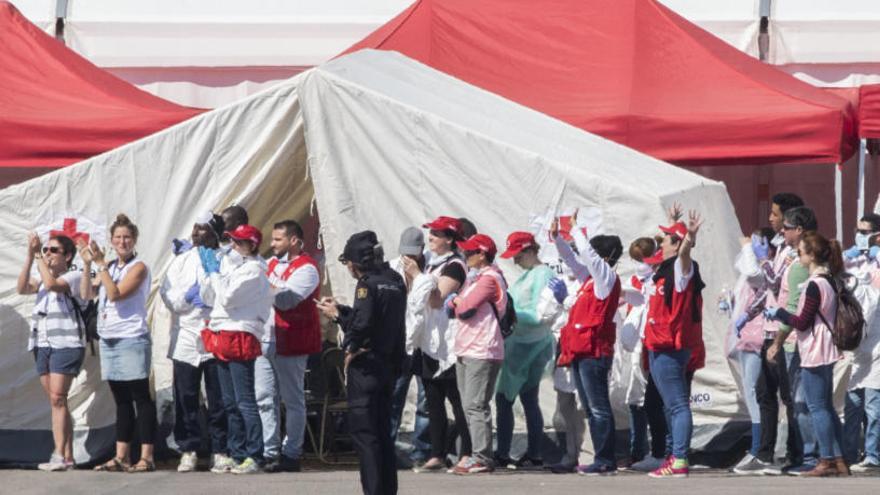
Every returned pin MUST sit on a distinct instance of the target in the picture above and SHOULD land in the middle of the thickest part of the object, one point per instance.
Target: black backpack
(849, 325)
(507, 323)
(87, 321)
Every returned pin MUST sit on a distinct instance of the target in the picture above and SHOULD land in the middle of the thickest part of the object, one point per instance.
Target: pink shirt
(816, 345)
(479, 333)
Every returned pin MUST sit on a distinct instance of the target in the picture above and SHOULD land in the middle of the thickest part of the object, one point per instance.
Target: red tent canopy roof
(56, 108)
(869, 111)
(632, 71)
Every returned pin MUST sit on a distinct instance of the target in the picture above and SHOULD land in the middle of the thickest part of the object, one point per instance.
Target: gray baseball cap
(412, 242)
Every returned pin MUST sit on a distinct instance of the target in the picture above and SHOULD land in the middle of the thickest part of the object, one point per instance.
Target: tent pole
(863, 145)
(838, 200)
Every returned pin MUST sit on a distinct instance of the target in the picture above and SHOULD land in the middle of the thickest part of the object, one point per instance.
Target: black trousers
(437, 392)
(656, 420)
(774, 381)
(131, 395)
(369, 386)
(187, 406)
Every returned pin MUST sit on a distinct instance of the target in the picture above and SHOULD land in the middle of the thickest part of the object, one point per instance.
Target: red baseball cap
(247, 233)
(518, 241)
(479, 242)
(678, 229)
(446, 223)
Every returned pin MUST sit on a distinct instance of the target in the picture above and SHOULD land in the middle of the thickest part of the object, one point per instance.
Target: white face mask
(234, 258)
(643, 270)
(862, 241)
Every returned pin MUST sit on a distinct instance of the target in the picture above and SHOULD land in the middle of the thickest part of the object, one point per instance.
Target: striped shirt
(54, 318)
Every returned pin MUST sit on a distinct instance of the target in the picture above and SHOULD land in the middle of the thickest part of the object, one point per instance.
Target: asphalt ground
(345, 479)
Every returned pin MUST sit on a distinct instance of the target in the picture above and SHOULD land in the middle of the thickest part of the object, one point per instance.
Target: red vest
(590, 331)
(673, 329)
(298, 330)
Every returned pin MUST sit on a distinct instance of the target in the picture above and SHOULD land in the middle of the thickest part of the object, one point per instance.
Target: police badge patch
(362, 293)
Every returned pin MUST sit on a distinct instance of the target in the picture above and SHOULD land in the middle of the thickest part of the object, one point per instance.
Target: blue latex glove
(558, 288)
(740, 323)
(874, 252)
(193, 297)
(180, 246)
(770, 313)
(760, 247)
(209, 260)
(852, 253)
(447, 304)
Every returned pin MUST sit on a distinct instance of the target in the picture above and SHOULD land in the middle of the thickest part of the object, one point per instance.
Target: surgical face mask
(234, 258)
(643, 270)
(862, 241)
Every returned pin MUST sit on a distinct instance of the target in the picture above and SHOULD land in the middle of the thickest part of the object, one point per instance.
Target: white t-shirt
(124, 318)
(54, 318)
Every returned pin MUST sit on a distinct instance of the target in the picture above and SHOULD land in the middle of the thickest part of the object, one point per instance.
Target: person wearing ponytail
(586, 341)
(122, 286)
(817, 309)
(674, 336)
(55, 339)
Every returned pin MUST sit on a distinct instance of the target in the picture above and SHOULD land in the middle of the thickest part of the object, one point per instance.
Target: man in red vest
(297, 329)
(674, 336)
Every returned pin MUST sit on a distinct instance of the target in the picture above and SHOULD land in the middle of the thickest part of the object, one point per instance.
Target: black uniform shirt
(377, 319)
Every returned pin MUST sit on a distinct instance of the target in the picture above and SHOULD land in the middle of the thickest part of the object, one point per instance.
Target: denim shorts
(126, 359)
(66, 361)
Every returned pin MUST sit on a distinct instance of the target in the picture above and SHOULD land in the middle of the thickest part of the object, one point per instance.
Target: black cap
(360, 248)
(218, 226)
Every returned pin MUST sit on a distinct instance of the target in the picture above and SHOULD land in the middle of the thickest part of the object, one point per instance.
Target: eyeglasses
(52, 249)
(788, 227)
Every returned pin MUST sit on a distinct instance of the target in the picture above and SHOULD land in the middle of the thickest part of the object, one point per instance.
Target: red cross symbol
(565, 227)
(69, 230)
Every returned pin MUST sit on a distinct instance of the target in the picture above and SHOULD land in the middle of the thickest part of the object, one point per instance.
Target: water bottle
(725, 301)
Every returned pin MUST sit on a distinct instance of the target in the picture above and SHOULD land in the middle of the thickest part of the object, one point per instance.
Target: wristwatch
(38, 256)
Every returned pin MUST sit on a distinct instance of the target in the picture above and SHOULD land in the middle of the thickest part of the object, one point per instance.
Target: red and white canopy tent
(56, 108)
(632, 71)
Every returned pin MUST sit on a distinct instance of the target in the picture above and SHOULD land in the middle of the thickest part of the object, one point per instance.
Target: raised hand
(97, 253)
(694, 222)
(34, 244)
(554, 228)
(674, 212)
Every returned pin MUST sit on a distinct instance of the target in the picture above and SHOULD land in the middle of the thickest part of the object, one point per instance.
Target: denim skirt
(126, 359)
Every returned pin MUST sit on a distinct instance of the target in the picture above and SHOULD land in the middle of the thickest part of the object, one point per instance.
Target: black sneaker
(526, 463)
(504, 462)
(272, 465)
(289, 465)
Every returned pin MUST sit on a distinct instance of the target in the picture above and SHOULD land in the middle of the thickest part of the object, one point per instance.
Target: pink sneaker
(668, 471)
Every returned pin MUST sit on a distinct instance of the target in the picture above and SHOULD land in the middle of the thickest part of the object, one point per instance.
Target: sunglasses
(52, 249)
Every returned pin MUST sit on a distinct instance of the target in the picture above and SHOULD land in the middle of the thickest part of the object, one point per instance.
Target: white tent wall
(832, 43)
(392, 143)
(737, 22)
(242, 153)
(40, 12)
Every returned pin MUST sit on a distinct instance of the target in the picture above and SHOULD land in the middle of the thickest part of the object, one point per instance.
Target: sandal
(114, 465)
(142, 466)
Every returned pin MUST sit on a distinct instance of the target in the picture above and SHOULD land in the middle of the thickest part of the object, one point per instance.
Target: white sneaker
(188, 461)
(865, 466)
(56, 463)
(247, 466)
(750, 465)
(222, 463)
(647, 464)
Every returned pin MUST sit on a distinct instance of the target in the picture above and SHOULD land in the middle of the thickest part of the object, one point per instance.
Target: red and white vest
(673, 329)
(590, 331)
(298, 330)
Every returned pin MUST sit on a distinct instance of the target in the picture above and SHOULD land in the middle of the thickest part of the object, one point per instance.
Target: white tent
(380, 142)
(827, 42)
(735, 21)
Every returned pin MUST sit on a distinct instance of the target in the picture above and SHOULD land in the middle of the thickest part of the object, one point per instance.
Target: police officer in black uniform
(375, 330)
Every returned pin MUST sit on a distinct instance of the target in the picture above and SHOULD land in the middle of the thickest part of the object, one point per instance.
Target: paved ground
(713, 482)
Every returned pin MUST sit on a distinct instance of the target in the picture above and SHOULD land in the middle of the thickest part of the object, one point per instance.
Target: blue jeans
(638, 432)
(668, 368)
(808, 446)
(862, 409)
(534, 423)
(818, 385)
(421, 446)
(591, 380)
(268, 400)
(244, 430)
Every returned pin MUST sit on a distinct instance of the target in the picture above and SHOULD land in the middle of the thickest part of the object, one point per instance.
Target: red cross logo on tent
(68, 229)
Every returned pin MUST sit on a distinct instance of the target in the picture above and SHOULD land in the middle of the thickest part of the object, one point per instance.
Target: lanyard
(116, 272)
